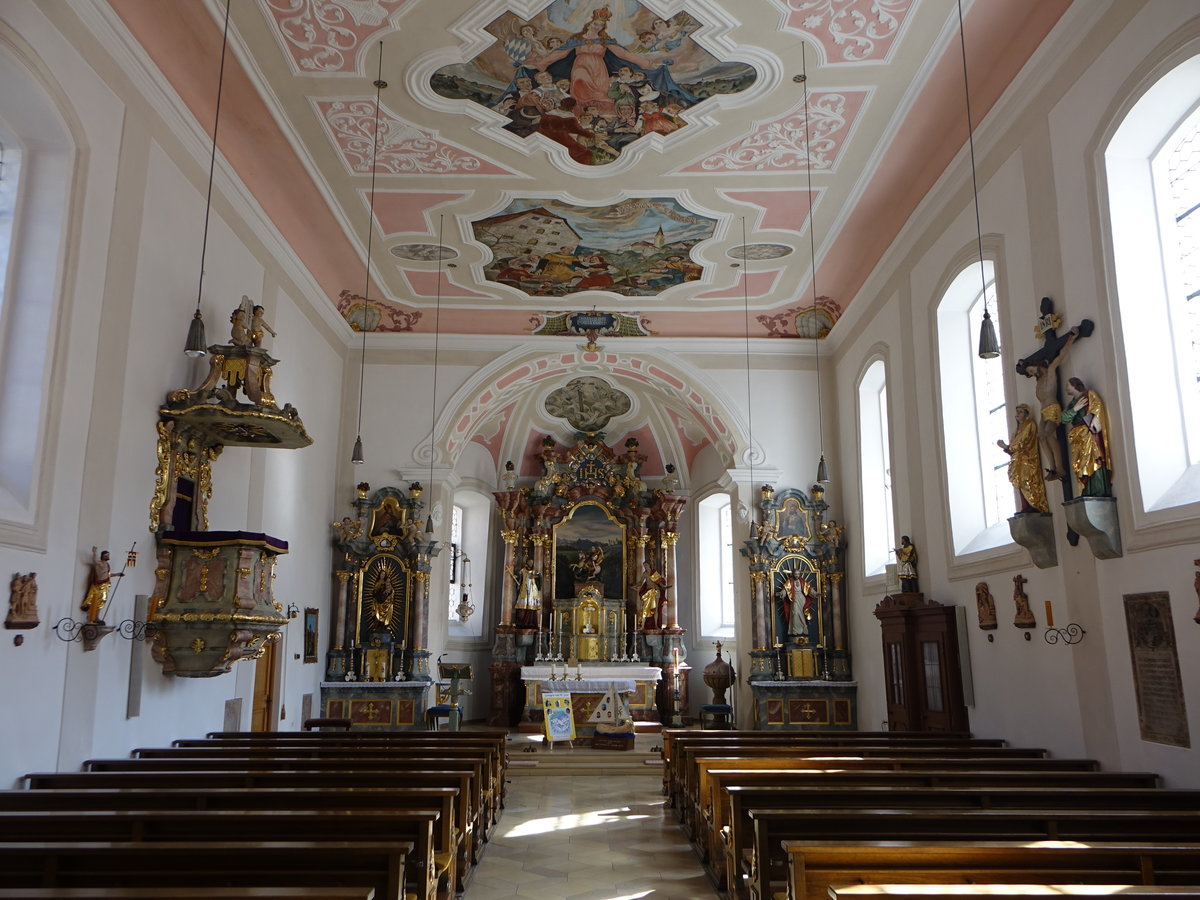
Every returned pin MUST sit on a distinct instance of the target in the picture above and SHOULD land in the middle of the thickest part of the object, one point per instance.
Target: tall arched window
(34, 200)
(875, 465)
(716, 572)
(470, 532)
(973, 415)
(1152, 176)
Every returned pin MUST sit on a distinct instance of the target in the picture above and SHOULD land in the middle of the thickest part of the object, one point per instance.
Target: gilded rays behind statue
(593, 78)
(638, 247)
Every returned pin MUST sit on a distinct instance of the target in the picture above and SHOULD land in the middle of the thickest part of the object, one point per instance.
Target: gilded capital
(539, 540)
(670, 538)
(343, 575)
(510, 536)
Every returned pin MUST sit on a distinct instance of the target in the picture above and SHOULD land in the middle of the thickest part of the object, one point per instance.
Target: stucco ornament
(587, 403)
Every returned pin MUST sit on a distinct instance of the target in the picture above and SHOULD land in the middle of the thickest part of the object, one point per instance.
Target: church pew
(739, 841)
(451, 848)
(495, 758)
(730, 743)
(375, 865)
(1008, 891)
(464, 778)
(413, 830)
(688, 789)
(722, 829)
(766, 867)
(816, 867)
(482, 775)
(191, 892)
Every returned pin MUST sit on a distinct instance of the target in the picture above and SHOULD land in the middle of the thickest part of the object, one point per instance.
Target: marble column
(507, 598)
(669, 540)
(340, 605)
(541, 565)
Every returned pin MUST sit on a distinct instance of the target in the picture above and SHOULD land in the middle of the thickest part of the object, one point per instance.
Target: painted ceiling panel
(884, 118)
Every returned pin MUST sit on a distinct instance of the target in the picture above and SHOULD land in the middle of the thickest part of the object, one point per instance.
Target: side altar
(589, 561)
(377, 667)
(800, 673)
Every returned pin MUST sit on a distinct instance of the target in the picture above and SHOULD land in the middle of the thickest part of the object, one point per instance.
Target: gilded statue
(98, 586)
(1086, 421)
(651, 596)
(1025, 463)
(527, 611)
(906, 565)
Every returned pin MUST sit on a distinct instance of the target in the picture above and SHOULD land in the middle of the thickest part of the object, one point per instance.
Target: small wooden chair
(716, 715)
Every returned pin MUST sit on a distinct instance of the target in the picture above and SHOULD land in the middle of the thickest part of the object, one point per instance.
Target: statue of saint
(651, 596)
(906, 565)
(1087, 440)
(1025, 465)
(101, 580)
(527, 611)
(797, 598)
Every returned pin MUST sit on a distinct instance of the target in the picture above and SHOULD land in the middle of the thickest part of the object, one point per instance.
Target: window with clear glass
(1152, 176)
(456, 560)
(973, 414)
(875, 464)
(716, 575)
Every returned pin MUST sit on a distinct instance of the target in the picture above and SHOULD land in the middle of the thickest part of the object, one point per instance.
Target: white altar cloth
(605, 673)
(587, 686)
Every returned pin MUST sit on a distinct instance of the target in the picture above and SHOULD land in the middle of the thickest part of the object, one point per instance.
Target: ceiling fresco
(593, 78)
(639, 247)
(693, 177)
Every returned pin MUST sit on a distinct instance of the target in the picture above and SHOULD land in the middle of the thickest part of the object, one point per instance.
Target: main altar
(588, 601)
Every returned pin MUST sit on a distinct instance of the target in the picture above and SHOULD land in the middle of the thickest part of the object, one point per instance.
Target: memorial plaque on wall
(1161, 713)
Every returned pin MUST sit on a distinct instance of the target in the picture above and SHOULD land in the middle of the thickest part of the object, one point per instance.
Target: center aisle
(588, 837)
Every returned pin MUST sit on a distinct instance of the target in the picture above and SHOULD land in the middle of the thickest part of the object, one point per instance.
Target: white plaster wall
(1037, 196)
(129, 285)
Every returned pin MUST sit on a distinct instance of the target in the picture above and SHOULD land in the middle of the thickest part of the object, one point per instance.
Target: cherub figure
(258, 325)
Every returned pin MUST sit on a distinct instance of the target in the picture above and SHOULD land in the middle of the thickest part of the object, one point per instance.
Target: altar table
(638, 682)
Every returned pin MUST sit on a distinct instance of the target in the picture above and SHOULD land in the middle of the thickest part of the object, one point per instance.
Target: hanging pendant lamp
(196, 344)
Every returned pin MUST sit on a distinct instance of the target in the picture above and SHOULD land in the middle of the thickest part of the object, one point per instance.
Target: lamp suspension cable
(989, 346)
(749, 405)
(196, 344)
(437, 333)
(357, 456)
(822, 468)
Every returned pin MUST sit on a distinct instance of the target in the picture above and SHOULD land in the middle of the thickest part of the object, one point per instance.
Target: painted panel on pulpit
(589, 546)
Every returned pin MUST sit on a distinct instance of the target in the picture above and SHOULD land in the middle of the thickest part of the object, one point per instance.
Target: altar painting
(594, 78)
(587, 531)
(638, 247)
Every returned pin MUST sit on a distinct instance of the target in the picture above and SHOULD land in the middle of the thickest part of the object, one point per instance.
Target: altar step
(580, 760)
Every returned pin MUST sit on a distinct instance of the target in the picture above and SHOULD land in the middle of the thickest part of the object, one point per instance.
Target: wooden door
(262, 713)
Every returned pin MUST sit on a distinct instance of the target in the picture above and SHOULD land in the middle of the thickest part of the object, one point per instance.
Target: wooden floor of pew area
(314, 815)
(857, 815)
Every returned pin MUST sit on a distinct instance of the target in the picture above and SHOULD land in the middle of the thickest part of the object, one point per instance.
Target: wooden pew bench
(816, 866)
(766, 867)
(1008, 891)
(188, 893)
(409, 829)
(713, 781)
(375, 865)
(928, 807)
(449, 845)
(728, 743)
(689, 803)
(493, 775)
(486, 791)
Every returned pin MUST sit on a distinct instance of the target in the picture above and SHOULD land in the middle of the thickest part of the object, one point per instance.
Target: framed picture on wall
(310, 635)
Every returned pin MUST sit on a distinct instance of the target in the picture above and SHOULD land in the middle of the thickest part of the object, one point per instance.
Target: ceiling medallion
(588, 403)
(759, 251)
(593, 79)
(423, 252)
(638, 247)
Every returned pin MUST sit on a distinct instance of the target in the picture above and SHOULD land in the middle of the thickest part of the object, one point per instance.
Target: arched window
(715, 555)
(469, 533)
(34, 199)
(875, 465)
(1152, 176)
(973, 415)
